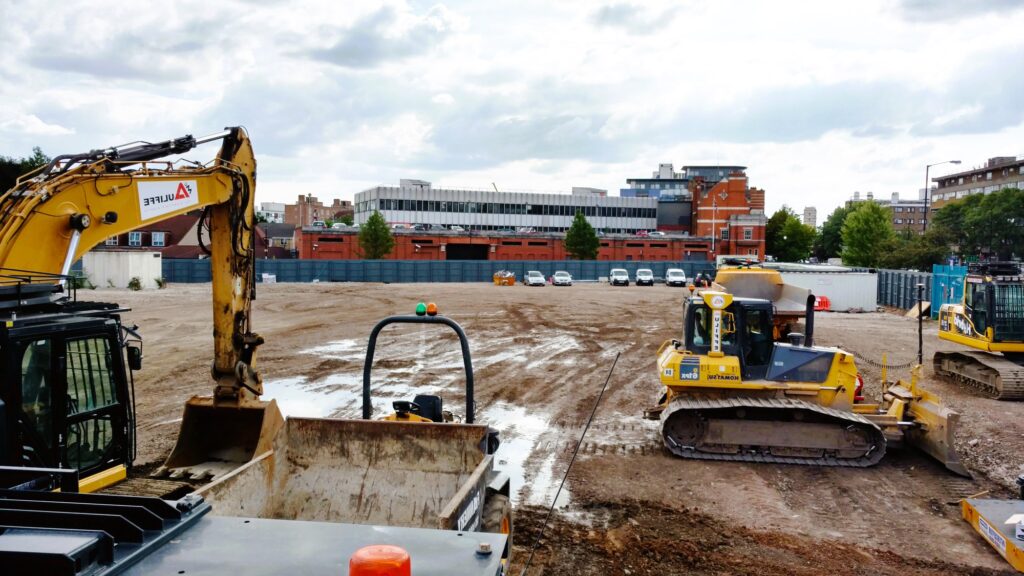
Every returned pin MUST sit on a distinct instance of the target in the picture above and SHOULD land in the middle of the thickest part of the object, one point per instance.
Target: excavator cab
(65, 401)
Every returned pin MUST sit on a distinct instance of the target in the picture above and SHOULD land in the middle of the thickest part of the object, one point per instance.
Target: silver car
(534, 278)
(561, 278)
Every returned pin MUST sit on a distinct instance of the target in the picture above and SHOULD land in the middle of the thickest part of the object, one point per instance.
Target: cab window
(37, 400)
(90, 385)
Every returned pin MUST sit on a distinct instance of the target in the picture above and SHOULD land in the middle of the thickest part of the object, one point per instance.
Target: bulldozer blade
(935, 433)
(214, 440)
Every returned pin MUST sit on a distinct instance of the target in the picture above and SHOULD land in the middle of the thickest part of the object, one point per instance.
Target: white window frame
(153, 239)
(135, 238)
(748, 233)
(112, 241)
(725, 233)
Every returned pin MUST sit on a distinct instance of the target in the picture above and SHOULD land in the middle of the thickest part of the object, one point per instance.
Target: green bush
(161, 283)
(135, 283)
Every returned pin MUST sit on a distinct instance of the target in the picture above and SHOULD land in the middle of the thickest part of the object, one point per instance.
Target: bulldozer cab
(65, 400)
(747, 333)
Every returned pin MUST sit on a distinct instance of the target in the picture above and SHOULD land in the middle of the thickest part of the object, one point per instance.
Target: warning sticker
(158, 198)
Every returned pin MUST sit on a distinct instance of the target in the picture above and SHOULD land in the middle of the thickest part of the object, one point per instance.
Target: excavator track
(997, 376)
(783, 431)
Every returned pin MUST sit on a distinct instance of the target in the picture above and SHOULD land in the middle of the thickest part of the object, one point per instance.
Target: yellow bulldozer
(731, 393)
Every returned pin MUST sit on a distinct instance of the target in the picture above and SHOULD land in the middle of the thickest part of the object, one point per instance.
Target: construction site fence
(898, 288)
(406, 271)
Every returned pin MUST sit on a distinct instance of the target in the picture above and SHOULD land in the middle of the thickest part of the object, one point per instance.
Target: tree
(786, 237)
(867, 235)
(581, 241)
(11, 168)
(375, 239)
(347, 220)
(829, 242)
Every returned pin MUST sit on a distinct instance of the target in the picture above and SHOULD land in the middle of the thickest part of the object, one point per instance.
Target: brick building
(328, 244)
(905, 214)
(997, 173)
(176, 237)
(308, 209)
(731, 214)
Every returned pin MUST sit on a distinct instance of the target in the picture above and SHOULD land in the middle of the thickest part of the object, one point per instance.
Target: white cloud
(30, 124)
(817, 99)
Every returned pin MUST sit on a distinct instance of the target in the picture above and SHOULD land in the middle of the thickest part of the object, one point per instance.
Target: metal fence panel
(186, 271)
(947, 286)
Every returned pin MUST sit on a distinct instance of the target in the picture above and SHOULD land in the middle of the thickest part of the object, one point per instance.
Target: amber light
(431, 309)
(380, 560)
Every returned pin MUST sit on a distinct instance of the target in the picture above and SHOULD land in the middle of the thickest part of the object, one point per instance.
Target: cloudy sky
(816, 99)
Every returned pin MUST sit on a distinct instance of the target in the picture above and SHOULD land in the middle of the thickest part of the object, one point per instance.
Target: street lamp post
(928, 188)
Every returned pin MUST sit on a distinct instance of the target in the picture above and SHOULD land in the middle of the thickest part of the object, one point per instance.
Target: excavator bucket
(936, 430)
(214, 440)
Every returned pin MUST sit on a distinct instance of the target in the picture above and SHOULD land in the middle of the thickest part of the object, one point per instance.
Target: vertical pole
(920, 324)
(927, 190)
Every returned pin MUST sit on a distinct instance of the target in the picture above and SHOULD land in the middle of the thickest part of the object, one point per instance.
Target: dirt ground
(541, 356)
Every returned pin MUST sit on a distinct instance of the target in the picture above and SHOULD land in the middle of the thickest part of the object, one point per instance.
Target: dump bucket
(215, 439)
(412, 474)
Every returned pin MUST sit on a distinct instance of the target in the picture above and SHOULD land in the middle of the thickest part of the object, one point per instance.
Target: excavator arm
(58, 213)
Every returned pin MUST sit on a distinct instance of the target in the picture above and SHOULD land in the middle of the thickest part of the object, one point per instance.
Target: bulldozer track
(1005, 378)
(748, 454)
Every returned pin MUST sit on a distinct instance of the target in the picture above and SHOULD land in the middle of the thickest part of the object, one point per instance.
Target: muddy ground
(541, 357)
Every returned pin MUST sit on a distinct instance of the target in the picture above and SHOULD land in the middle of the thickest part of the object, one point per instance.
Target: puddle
(339, 350)
(330, 396)
(520, 431)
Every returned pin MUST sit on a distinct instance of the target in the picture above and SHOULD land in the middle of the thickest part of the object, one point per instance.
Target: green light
(421, 309)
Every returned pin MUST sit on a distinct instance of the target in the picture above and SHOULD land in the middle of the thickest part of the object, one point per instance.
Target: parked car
(656, 233)
(618, 277)
(421, 227)
(675, 277)
(506, 230)
(534, 278)
(319, 224)
(437, 228)
(526, 230)
(644, 277)
(642, 233)
(561, 278)
(456, 228)
(338, 226)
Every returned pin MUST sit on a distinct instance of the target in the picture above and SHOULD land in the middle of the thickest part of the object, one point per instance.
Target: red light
(380, 560)
(431, 309)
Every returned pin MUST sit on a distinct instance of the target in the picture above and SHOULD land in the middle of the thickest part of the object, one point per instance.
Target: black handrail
(467, 361)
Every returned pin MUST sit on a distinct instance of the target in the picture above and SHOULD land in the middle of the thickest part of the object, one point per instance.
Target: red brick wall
(330, 245)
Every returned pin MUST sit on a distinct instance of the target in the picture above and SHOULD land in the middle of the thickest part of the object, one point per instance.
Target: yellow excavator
(989, 319)
(731, 393)
(67, 404)
(57, 350)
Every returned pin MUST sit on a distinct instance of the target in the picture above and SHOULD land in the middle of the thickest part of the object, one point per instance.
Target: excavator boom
(53, 216)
